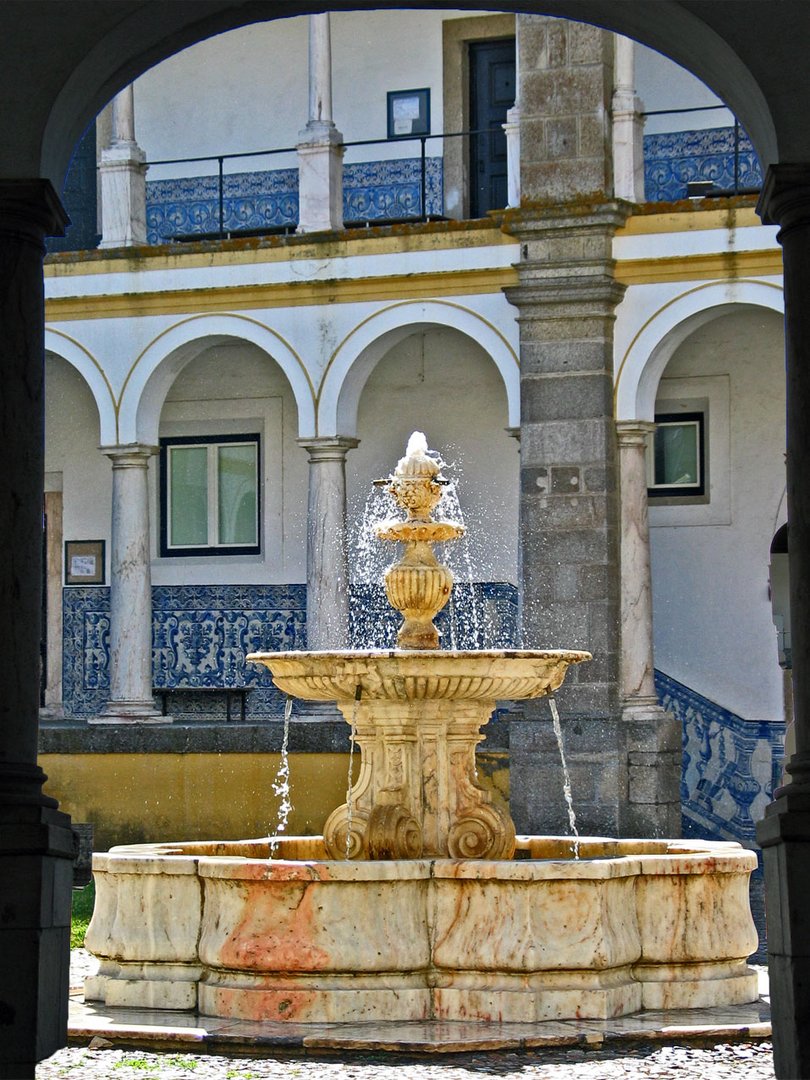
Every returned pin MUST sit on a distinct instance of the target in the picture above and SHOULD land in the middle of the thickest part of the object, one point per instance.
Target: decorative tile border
(202, 633)
(672, 159)
(200, 637)
(731, 766)
(372, 191)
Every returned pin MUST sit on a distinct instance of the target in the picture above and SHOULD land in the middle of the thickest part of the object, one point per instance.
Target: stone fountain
(419, 902)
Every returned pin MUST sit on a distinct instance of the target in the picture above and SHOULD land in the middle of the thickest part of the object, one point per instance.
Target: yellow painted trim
(438, 236)
(722, 266)
(296, 294)
(675, 221)
(194, 318)
(405, 303)
(655, 315)
(90, 357)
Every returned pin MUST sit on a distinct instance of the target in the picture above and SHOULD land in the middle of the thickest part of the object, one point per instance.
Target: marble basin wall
(216, 927)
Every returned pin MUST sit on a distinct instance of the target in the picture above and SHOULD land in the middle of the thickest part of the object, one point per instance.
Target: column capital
(129, 455)
(328, 447)
(533, 219)
(785, 196)
(634, 432)
(31, 209)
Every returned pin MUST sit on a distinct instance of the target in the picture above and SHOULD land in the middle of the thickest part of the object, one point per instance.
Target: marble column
(35, 838)
(327, 566)
(122, 171)
(512, 131)
(652, 735)
(628, 127)
(320, 147)
(785, 831)
(131, 700)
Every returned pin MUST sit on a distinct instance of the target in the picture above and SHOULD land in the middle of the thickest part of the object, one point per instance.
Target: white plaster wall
(232, 387)
(71, 450)
(248, 89)
(441, 382)
(662, 84)
(712, 615)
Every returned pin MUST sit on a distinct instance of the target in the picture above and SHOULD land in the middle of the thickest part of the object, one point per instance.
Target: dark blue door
(492, 93)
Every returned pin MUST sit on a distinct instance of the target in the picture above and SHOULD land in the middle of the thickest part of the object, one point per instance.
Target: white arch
(92, 372)
(360, 351)
(654, 344)
(155, 370)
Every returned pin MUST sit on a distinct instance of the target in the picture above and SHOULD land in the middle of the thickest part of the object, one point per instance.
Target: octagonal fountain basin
(630, 925)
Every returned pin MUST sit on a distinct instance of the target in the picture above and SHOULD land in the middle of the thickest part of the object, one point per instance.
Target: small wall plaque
(408, 113)
(84, 562)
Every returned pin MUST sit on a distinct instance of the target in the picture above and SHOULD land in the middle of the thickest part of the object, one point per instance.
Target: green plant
(83, 900)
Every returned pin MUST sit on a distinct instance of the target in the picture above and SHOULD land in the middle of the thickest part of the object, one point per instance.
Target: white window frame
(696, 489)
(212, 444)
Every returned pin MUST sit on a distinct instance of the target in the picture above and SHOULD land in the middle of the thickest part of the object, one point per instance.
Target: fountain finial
(418, 586)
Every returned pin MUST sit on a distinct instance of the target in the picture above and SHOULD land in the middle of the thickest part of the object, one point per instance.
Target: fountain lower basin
(632, 924)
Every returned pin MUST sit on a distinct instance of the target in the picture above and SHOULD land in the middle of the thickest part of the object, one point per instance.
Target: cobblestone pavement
(728, 1061)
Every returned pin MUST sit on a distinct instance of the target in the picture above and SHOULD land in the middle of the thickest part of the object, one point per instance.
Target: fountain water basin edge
(632, 924)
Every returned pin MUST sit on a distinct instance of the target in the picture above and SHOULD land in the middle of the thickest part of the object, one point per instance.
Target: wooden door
(492, 93)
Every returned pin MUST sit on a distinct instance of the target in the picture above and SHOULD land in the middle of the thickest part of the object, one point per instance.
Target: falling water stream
(349, 786)
(281, 784)
(569, 802)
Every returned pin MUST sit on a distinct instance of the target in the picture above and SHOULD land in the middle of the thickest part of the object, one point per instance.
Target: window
(209, 495)
(676, 457)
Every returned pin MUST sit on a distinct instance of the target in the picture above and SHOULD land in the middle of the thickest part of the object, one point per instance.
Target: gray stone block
(574, 397)
(561, 441)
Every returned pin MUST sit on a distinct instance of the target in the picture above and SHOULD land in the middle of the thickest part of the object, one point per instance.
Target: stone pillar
(327, 566)
(653, 737)
(122, 169)
(512, 130)
(628, 127)
(131, 700)
(569, 519)
(36, 844)
(785, 831)
(320, 150)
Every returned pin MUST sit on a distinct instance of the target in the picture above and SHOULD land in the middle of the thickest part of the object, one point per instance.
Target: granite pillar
(36, 844)
(327, 564)
(122, 172)
(569, 519)
(653, 737)
(320, 149)
(785, 831)
(131, 700)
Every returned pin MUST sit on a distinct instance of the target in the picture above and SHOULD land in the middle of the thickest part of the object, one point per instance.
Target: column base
(36, 875)
(653, 742)
(130, 712)
(784, 834)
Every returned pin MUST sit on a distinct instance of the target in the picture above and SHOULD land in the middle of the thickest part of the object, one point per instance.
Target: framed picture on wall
(408, 113)
(84, 562)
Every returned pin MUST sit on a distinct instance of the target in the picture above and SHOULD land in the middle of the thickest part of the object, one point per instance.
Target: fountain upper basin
(420, 674)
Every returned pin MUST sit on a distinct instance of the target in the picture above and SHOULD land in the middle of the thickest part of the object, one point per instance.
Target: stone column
(652, 735)
(512, 130)
(36, 844)
(122, 169)
(569, 518)
(320, 150)
(327, 566)
(628, 127)
(785, 831)
(131, 700)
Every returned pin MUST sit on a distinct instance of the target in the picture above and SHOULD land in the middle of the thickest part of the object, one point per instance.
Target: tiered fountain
(412, 905)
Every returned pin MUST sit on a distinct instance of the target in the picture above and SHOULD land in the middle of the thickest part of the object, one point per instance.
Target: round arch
(107, 49)
(362, 349)
(60, 344)
(161, 362)
(654, 344)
